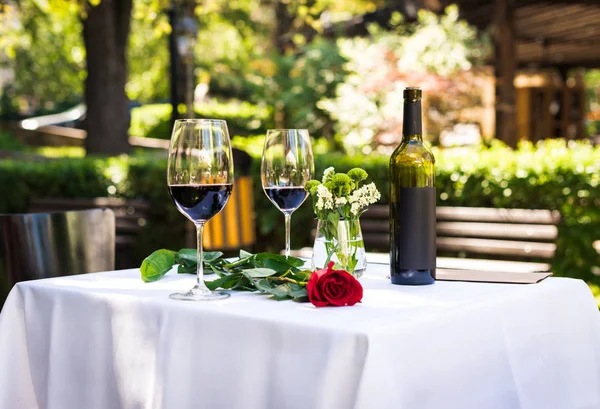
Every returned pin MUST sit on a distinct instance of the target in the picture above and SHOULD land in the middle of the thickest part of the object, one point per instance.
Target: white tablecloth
(107, 340)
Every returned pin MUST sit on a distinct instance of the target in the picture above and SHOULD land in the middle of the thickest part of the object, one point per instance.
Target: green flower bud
(358, 174)
(311, 185)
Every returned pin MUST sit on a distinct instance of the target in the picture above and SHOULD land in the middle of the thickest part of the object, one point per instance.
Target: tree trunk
(105, 34)
(504, 43)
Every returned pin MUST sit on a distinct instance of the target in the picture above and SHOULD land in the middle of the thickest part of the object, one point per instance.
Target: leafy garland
(279, 276)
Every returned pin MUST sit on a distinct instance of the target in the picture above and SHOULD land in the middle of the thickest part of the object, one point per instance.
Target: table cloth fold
(108, 340)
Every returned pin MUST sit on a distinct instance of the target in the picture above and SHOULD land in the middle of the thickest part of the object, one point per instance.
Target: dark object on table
(412, 201)
(43, 245)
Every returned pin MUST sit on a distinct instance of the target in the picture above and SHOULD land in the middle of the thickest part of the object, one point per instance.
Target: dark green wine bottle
(412, 201)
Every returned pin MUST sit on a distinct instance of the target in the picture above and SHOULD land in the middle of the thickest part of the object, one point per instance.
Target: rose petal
(337, 287)
(313, 292)
(357, 293)
(333, 287)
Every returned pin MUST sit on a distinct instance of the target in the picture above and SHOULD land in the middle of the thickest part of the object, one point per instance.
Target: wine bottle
(412, 201)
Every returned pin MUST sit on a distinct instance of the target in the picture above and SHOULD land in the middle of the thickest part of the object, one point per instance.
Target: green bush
(551, 175)
(69, 178)
(8, 142)
(243, 118)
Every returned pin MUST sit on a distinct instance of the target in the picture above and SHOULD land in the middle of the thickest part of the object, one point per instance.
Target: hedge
(551, 175)
(243, 118)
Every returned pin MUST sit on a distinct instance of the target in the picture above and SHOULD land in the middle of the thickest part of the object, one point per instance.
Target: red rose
(333, 287)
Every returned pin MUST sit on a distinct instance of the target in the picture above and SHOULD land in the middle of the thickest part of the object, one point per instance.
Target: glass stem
(199, 256)
(288, 217)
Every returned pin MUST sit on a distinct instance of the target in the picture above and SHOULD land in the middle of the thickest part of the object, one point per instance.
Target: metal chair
(42, 245)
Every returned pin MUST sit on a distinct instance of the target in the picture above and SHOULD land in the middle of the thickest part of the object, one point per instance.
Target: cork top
(412, 93)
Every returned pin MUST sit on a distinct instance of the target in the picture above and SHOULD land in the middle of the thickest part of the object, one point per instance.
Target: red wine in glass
(200, 202)
(200, 180)
(287, 164)
(286, 198)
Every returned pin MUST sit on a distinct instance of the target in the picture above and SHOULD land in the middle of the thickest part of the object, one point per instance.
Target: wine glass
(287, 164)
(200, 179)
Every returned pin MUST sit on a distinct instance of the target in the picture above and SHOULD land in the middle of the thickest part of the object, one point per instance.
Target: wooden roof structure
(560, 34)
(547, 33)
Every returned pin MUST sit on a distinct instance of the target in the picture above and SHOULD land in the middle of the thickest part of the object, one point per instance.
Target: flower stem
(289, 280)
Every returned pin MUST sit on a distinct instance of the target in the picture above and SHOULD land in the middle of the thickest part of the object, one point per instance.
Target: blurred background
(89, 91)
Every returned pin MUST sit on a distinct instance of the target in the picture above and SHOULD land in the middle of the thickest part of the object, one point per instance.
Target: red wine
(200, 202)
(286, 198)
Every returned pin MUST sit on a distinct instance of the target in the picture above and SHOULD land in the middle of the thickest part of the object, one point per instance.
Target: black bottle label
(412, 230)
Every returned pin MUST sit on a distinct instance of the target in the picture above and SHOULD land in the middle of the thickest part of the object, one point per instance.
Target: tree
(436, 53)
(45, 50)
(43, 42)
(105, 34)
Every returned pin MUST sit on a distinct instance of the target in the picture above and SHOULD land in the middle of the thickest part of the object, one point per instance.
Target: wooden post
(505, 67)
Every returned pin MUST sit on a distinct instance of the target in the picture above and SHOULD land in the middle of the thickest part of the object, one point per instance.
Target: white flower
(324, 198)
(363, 197)
(328, 173)
(340, 201)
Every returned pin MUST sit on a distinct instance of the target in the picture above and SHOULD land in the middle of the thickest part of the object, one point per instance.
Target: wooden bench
(131, 216)
(484, 238)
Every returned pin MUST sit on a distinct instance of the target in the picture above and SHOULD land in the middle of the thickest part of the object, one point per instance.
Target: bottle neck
(412, 127)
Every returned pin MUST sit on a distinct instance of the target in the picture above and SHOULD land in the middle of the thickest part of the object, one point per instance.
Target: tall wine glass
(287, 164)
(200, 179)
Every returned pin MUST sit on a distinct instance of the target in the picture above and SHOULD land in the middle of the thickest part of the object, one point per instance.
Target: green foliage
(243, 118)
(232, 35)
(549, 175)
(69, 178)
(8, 142)
(592, 84)
(42, 42)
(437, 52)
(278, 276)
(148, 52)
(294, 84)
(151, 121)
(157, 264)
(44, 46)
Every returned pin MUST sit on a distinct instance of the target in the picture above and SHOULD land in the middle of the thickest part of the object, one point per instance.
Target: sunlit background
(512, 102)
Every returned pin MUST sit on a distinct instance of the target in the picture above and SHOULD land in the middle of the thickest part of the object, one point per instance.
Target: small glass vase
(340, 241)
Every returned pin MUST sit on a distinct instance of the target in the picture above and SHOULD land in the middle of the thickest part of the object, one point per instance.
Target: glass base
(200, 294)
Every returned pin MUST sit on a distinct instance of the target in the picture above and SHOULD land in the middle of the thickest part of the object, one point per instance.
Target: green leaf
(278, 291)
(258, 272)
(189, 256)
(333, 217)
(302, 275)
(157, 264)
(264, 286)
(240, 262)
(244, 284)
(210, 256)
(292, 261)
(245, 254)
(281, 292)
(303, 298)
(184, 269)
(187, 260)
(276, 265)
(224, 282)
(297, 291)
